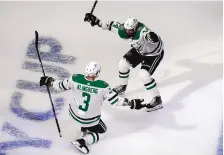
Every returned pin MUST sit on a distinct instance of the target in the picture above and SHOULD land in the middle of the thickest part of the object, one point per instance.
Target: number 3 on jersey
(86, 102)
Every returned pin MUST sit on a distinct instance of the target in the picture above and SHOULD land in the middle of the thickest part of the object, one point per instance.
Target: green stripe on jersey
(82, 121)
(115, 101)
(122, 33)
(79, 78)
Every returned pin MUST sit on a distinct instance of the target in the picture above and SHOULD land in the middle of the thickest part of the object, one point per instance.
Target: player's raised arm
(104, 24)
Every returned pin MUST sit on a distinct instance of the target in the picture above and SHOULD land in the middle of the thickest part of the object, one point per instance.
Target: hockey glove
(46, 80)
(93, 20)
(136, 104)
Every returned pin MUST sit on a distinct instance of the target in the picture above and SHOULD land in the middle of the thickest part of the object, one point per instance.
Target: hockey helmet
(130, 26)
(93, 69)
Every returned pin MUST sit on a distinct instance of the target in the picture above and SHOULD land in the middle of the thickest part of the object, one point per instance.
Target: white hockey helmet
(93, 69)
(130, 25)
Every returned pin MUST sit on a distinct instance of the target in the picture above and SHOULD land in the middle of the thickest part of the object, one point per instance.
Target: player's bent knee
(124, 66)
(144, 76)
(102, 135)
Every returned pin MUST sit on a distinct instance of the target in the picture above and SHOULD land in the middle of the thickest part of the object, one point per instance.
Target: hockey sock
(152, 87)
(91, 137)
(123, 76)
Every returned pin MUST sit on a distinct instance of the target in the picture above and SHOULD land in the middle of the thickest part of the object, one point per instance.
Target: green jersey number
(86, 102)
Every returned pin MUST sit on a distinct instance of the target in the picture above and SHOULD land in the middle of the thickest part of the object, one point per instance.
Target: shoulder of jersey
(121, 31)
(101, 84)
(81, 79)
(140, 30)
(76, 75)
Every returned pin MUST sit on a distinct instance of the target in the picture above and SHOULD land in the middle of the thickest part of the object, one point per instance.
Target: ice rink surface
(189, 77)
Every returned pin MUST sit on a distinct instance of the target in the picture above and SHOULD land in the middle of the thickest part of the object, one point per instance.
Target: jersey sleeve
(112, 26)
(110, 95)
(64, 84)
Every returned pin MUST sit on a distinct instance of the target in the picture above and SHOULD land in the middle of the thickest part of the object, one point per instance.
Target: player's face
(130, 32)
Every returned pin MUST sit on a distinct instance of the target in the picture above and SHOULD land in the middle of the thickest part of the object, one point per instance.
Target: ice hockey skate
(155, 104)
(120, 89)
(80, 144)
(84, 131)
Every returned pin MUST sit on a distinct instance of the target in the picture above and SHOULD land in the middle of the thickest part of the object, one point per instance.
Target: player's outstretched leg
(151, 86)
(131, 59)
(91, 135)
(149, 66)
(124, 71)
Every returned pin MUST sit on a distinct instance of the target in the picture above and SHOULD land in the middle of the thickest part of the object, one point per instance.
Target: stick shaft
(48, 90)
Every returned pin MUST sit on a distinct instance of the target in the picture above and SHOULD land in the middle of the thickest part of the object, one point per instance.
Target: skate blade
(121, 94)
(76, 144)
(155, 108)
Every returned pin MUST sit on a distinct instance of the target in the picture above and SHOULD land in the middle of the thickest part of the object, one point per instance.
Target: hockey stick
(94, 5)
(38, 53)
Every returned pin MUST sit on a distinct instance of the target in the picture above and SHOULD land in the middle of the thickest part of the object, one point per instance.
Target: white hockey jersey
(140, 41)
(88, 98)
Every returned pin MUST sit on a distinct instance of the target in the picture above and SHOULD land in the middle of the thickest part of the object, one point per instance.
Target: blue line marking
(220, 143)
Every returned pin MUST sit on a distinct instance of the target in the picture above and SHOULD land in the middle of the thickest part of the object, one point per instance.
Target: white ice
(189, 77)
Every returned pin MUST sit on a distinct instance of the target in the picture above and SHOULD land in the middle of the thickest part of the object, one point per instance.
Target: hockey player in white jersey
(147, 49)
(89, 94)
